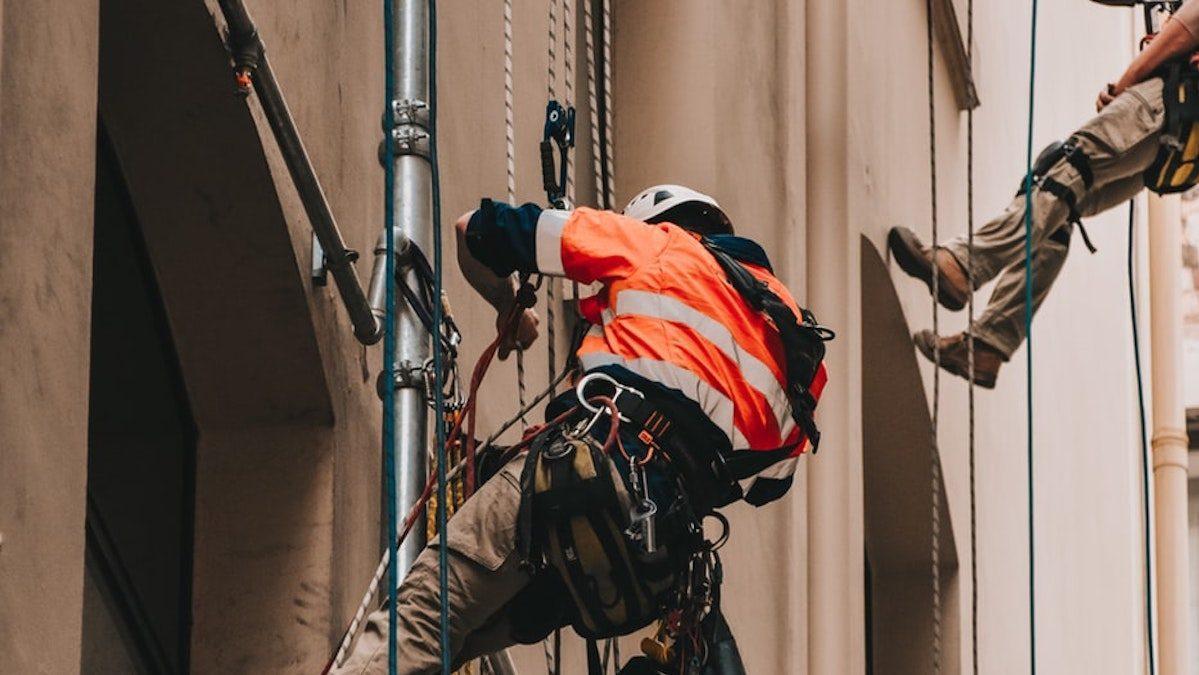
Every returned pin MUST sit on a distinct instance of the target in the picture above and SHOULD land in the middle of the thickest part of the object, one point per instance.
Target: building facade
(189, 432)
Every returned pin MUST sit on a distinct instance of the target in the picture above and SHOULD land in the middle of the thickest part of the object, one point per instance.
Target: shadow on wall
(896, 456)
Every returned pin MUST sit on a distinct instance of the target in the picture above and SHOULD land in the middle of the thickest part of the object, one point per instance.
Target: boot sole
(907, 256)
(952, 367)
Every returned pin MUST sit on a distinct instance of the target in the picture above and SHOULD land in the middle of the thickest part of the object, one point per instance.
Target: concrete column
(1169, 434)
(835, 511)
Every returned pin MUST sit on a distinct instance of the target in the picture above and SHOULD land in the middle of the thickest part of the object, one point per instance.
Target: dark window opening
(141, 455)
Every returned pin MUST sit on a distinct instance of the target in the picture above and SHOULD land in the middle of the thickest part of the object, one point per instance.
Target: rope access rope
(389, 347)
(1028, 278)
(935, 459)
(597, 160)
(510, 157)
(970, 345)
(606, 62)
(551, 295)
(438, 371)
(1145, 470)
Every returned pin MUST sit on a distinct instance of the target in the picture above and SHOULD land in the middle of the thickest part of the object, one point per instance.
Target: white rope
(606, 45)
(510, 156)
(569, 12)
(934, 451)
(597, 166)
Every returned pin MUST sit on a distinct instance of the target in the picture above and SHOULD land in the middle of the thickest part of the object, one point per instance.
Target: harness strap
(803, 343)
(1066, 195)
(1079, 160)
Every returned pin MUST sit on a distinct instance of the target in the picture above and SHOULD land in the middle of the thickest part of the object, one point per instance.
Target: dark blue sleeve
(503, 237)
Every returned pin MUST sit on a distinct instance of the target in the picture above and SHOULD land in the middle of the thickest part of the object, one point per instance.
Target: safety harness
(1053, 153)
(1176, 167)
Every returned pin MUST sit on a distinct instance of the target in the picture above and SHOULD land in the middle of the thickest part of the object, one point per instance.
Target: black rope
(970, 345)
(934, 453)
(1145, 470)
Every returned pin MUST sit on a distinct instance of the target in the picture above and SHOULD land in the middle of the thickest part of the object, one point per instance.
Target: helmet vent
(661, 195)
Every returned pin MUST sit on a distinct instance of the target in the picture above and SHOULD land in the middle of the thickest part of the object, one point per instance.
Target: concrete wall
(1089, 558)
(48, 53)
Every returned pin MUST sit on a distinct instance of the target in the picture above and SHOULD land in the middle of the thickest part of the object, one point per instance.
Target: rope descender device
(559, 131)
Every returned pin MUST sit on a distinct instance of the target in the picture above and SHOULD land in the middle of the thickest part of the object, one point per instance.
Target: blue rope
(1136, 356)
(389, 342)
(438, 357)
(1028, 311)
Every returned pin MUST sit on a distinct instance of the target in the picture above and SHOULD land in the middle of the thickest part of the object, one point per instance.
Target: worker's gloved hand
(522, 335)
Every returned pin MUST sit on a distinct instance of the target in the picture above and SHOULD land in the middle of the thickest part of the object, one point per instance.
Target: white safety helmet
(656, 200)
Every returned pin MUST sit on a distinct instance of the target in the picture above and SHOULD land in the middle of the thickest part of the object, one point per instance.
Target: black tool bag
(1176, 167)
(573, 518)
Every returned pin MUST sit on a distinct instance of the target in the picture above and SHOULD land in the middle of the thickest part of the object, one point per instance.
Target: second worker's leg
(1001, 328)
(1118, 143)
(1002, 324)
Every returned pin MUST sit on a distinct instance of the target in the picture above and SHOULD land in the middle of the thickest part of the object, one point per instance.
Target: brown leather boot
(916, 259)
(955, 359)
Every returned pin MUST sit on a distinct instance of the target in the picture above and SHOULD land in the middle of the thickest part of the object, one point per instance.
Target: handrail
(252, 66)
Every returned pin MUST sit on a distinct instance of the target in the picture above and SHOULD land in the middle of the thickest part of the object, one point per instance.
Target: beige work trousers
(1121, 142)
(484, 574)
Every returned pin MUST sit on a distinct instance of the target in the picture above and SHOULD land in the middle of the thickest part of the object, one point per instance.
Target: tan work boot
(955, 359)
(914, 258)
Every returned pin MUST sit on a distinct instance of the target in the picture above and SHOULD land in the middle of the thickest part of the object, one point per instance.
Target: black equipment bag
(1176, 167)
(573, 515)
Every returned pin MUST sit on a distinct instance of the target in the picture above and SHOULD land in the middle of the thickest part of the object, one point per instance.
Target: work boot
(955, 359)
(916, 260)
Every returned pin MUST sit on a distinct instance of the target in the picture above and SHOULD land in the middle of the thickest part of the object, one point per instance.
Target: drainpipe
(1169, 433)
(406, 120)
(253, 68)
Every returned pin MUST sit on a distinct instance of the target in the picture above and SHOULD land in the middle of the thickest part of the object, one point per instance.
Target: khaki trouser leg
(1001, 325)
(1121, 141)
(484, 574)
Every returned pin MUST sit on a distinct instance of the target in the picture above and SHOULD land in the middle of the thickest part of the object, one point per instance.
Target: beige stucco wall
(47, 164)
(807, 121)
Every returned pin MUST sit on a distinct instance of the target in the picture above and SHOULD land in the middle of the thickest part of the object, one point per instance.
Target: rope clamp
(559, 131)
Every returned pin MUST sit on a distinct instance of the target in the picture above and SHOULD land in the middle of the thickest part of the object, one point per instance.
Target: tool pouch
(573, 517)
(1176, 167)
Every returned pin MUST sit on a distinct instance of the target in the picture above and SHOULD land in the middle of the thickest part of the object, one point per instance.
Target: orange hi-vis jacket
(667, 312)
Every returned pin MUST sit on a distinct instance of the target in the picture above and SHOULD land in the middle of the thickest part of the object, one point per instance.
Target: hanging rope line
(510, 157)
(1028, 307)
(606, 102)
(438, 371)
(970, 345)
(1146, 493)
(597, 160)
(934, 453)
(551, 296)
(389, 345)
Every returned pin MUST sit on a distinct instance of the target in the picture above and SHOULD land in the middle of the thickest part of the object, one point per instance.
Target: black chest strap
(803, 341)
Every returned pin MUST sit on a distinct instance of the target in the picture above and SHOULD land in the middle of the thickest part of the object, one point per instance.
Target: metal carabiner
(595, 410)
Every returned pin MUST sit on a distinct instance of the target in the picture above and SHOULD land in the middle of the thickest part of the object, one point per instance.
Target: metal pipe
(250, 58)
(1169, 434)
(405, 121)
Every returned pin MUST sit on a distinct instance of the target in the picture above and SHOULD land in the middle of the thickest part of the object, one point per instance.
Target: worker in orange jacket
(715, 372)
